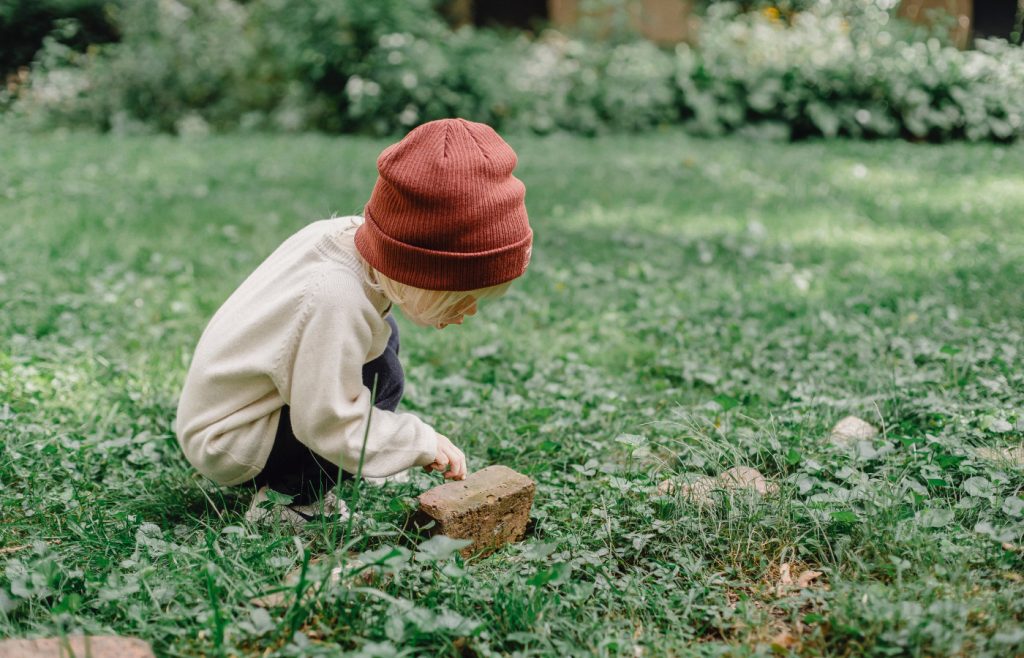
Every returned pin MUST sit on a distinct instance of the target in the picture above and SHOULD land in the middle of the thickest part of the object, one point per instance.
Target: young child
(278, 392)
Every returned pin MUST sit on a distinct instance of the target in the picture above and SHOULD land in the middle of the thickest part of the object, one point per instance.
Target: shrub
(559, 83)
(840, 68)
(323, 44)
(24, 24)
(636, 90)
(171, 66)
(554, 85)
(223, 64)
(825, 73)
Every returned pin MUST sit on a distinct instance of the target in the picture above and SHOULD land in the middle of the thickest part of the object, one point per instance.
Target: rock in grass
(700, 491)
(850, 430)
(1014, 456)
(490, 507)
(744, 477)
(100, 646)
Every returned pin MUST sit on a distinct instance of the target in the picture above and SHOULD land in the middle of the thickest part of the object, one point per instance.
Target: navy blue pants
(294, 469)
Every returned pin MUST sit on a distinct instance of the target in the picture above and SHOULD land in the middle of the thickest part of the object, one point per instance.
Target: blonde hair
(433, 307)
(425, 307)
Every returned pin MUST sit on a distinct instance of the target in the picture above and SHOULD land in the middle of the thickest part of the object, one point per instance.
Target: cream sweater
(296, 332)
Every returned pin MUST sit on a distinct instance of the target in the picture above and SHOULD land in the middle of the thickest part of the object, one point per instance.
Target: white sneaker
(400, 476)
(328, 508)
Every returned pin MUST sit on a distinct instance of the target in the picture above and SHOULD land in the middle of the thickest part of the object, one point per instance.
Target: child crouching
(278, 392)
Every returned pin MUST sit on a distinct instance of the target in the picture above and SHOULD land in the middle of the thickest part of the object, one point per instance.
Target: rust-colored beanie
(446, 212)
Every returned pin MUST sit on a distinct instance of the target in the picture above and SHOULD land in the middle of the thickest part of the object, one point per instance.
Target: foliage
(25, 23)
(169, 72)
(828, 73)
(325, 43)
(845, 68)
(691, 305)
(356, 66)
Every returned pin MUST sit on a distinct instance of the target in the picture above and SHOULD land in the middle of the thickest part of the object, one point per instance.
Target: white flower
(354, 87)
(394, 40)
(409, 116)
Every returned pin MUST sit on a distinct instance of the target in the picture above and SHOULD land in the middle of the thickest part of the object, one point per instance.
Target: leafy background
(776, 70)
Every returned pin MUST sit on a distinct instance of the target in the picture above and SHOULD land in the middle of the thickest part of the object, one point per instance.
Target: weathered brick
(100, 646)
(490, 507)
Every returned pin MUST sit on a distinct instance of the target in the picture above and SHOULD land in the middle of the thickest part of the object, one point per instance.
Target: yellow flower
(771, 13)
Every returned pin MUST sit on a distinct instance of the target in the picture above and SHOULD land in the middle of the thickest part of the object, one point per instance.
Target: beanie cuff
(431, 269)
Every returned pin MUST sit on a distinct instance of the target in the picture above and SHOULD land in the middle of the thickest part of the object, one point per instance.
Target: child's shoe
(329, 508)
(400, 477)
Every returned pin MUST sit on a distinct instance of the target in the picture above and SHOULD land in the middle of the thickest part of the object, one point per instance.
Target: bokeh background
(916, 69)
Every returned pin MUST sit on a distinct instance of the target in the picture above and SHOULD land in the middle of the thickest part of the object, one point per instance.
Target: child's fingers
(458, 467)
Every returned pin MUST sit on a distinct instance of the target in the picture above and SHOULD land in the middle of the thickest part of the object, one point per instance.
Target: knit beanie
(446, 212)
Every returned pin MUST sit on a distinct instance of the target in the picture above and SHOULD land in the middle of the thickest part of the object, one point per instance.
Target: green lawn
(692, 305)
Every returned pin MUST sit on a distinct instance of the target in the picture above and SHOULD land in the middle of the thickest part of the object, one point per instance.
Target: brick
(99, 646)
(491, 507)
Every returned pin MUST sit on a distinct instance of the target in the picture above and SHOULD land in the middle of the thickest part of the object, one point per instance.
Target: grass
(692, 305)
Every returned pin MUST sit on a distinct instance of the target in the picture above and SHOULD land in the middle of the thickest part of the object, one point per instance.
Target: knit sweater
(296, 332)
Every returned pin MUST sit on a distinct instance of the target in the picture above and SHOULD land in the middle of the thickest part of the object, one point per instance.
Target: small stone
(700, 490)
(99, 646)
(744, 477)
(490, 507)
(850, 430)
(1014, 456)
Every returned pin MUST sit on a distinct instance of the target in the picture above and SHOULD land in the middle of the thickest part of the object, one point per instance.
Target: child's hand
(449, 460)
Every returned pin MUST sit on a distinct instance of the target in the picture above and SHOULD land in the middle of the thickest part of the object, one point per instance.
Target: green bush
(179, 67)
(322, 44)
(24, 24)
(825, 73)
(635, 89)
(842, 68)
(553, 84)
(543, 85)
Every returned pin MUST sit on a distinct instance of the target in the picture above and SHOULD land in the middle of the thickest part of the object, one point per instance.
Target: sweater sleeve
(321, 373)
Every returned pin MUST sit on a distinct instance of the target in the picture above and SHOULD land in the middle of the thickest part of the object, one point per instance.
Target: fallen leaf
(804, 580)
(786, 583)
(783, 641)
(785, 574)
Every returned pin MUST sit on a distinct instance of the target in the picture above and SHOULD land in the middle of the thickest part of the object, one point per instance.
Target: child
(278, 392)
